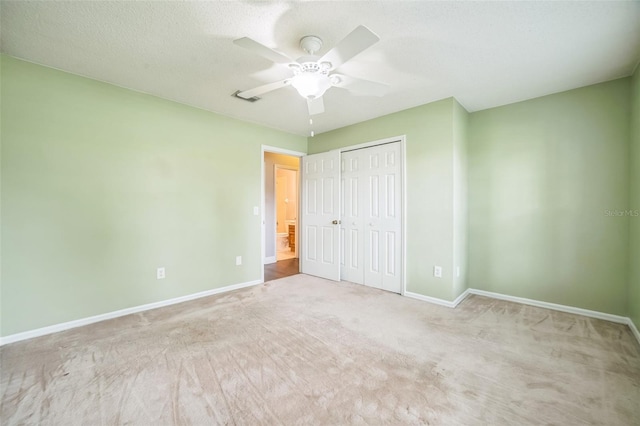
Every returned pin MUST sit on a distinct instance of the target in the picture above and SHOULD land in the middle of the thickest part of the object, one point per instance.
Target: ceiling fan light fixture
(311, 85)
(311, 76)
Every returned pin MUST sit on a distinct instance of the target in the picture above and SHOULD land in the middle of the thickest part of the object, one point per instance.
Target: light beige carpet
(302, 350)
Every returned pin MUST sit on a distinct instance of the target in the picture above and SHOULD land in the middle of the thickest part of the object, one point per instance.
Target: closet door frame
(403, 190)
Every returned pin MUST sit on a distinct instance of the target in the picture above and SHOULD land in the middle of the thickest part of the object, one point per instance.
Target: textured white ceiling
(483, 53)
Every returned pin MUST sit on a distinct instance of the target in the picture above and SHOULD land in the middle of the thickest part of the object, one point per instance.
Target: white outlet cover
(160, 273)
(437, 271)
(238, 260)
(256, 210)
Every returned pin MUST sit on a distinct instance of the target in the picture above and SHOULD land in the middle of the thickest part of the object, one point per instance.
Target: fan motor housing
(311, 44)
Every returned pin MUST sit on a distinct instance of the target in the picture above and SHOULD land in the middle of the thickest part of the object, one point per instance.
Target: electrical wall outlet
(458, 271)
(437, 271)
(256, 210)
(238, 260)
(160, 273)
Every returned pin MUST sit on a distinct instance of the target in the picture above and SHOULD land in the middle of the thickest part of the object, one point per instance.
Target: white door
(320, 254)
(352, 216)
(372, 216)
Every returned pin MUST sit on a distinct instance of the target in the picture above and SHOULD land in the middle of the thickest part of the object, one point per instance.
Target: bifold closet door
(352, 216)
(371, 231)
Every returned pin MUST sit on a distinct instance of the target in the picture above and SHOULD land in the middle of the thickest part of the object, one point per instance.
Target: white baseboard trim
(122, 312)
(634, 329)
(269, 260)
(437, 301)
(460, 298)
(547, 305)
(554, 306)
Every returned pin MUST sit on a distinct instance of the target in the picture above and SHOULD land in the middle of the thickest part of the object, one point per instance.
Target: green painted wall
(1, 195)
(460, 196)
(101, 185)
(542, 174)
(634, 253)
(430, 186)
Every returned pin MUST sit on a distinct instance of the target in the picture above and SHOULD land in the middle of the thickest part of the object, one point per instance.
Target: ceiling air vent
(252, 99)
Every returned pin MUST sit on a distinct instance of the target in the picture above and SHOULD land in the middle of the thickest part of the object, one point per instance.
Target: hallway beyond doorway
(281, 269)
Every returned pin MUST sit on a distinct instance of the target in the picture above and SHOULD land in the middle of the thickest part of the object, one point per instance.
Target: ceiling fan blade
(316, 106)
(357, 41)
(263, 50)
(359, 86)
(257, 91)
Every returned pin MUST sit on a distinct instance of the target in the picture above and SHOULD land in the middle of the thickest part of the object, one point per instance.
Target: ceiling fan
(313, 75)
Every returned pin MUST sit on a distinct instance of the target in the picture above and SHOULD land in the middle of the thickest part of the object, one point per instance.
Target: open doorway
(280, 220)
(286, 203)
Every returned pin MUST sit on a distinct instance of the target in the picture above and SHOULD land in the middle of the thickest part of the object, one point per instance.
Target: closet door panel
(383, 244)
(372, 217)
(351, 219)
